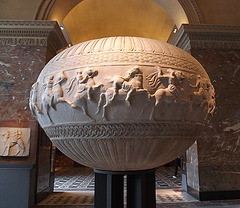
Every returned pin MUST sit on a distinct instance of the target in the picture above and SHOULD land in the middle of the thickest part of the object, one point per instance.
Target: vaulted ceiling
(142, 18)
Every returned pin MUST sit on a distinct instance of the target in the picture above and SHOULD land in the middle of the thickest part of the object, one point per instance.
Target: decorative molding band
(125, 130)
(207, 36)
(192, 11)
(32, 33)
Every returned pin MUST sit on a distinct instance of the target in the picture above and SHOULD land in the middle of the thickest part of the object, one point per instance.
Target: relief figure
(47, 96)
(58, 91)
(134, 83)
(200, 96)
(130, 84)
(33, 105)
(167, 95)
(13, 141)
(159, 79)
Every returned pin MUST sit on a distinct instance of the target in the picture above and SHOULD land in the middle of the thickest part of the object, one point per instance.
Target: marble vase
(122, 103)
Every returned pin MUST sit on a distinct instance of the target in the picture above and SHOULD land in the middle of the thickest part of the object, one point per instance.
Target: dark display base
(109, 189)
(213, 195)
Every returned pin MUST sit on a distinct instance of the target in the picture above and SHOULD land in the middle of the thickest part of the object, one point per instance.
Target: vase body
(122, 103)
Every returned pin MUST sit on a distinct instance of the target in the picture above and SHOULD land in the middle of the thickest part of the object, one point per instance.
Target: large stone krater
(122, 103)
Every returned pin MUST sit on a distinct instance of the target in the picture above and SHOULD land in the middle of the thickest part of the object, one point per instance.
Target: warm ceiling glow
(95, 19)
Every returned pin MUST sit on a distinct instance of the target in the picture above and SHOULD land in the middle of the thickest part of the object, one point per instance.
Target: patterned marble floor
(74, 188)
(82, 179)
(87, 198)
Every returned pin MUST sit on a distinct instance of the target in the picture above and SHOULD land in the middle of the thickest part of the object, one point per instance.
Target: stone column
(213, 162)
(25, 47)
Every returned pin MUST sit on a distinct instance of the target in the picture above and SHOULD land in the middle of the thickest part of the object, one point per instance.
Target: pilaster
(213, 162)
(26, 46)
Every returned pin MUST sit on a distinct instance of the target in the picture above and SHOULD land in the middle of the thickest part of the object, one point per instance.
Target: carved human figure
(11, 141)
(154, 79)
(134, 83)
(58, 91)
(47, 96)
(173, 77)
(199, 96)
(130, 84)
(85, 87)
(159, 79)
(88, 80)
(33, 105)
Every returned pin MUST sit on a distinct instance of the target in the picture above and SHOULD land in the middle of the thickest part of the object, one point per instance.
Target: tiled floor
(74, 188)
(82, 179)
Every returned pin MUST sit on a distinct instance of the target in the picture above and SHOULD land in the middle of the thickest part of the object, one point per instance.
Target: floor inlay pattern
(87, 198)
(69, 198)
(82, 179)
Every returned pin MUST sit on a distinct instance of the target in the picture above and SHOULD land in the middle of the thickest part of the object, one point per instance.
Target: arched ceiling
(95, 19)
(220, 12)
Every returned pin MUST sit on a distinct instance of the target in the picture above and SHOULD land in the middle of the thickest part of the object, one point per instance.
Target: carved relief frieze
(14, 142)
(162, 87)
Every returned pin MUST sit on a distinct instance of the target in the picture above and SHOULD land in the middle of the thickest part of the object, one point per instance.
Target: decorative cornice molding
(192, 11)
(32, 33)
(207, 36)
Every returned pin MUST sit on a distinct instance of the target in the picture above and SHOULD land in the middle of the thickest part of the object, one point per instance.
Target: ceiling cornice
(32, 33)
(207, 36)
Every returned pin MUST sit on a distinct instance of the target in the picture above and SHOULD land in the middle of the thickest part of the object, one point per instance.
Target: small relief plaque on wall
(14, 142)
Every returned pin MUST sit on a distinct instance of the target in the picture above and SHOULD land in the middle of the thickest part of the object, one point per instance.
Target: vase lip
(122, 44)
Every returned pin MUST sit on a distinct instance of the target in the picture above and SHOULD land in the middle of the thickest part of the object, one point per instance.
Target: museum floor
(74, 187)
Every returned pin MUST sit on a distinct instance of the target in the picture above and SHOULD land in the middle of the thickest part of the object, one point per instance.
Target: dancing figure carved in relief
(202, 94)
(134, 83)
(33, 105)
(47, 96)
(57, 91)
(13, 141)
(85, 88)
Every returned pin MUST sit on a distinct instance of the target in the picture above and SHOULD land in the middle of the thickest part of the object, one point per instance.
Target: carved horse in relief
(167, 95)
(164, 95)
(57, 90)
(85, 88)
(130, 84)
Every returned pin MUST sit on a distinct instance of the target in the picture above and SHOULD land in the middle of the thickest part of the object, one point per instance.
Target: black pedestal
(109, 189)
